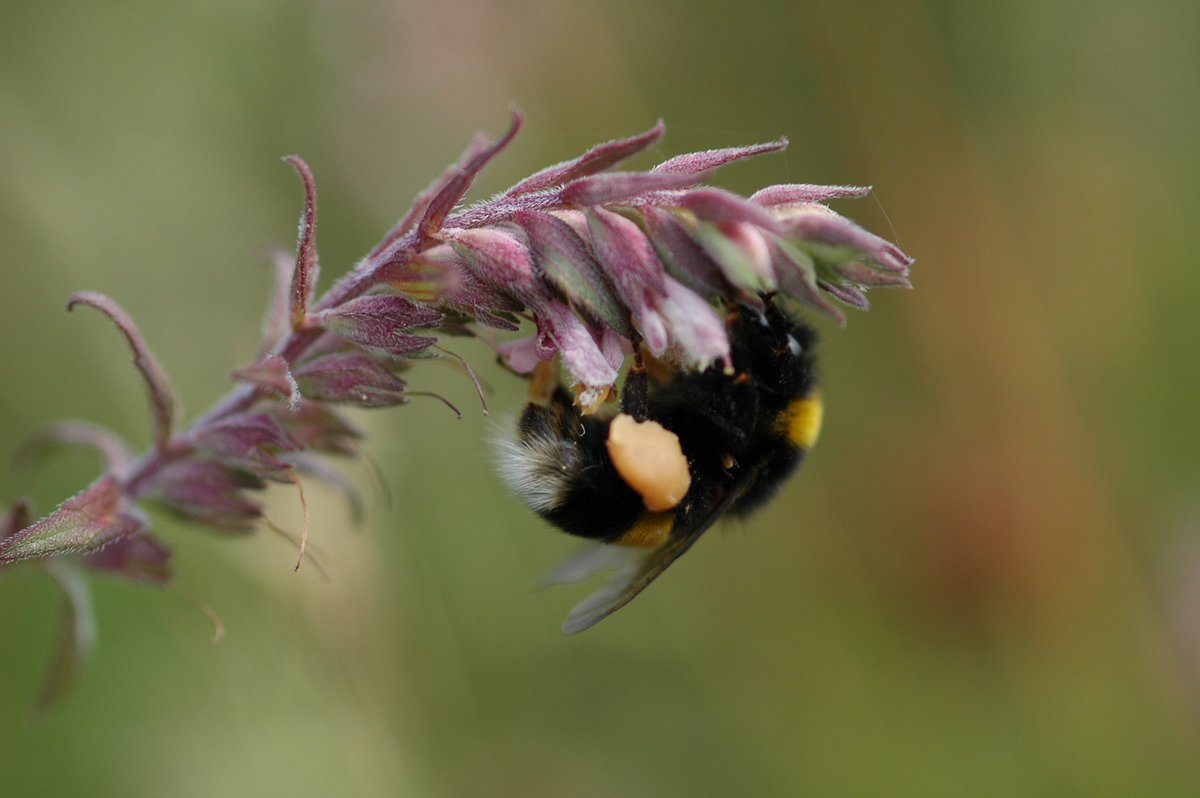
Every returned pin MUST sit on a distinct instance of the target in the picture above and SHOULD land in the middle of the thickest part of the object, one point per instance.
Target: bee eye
(794, 346)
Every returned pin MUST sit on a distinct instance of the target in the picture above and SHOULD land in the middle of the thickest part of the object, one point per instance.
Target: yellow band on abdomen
(651, 531)
(801, 421)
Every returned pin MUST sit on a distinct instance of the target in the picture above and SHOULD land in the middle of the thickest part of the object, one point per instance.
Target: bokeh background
(986, 582)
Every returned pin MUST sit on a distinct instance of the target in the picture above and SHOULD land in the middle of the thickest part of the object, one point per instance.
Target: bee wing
(634, 568)
(591, 558)
(631, 578)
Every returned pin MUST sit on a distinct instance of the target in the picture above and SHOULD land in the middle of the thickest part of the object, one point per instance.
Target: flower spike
(595, 264)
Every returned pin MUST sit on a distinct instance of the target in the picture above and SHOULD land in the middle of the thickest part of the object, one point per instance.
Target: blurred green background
(986, 582)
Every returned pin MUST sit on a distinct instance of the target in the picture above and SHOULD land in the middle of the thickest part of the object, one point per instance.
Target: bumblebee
(644, 485)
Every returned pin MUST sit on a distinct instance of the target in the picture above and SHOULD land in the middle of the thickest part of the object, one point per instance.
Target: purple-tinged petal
(597, 159)
(827, 227)
(580, 353)
(522, 354)
(470, 290)
(739, 265)
(698, 334)
(423, 279)
(112, 450)
(141, 558)
(679, 251)
(351, 378)
(567, 262)
(87, 521)
(696, 162)
(441, 278)
(652, 327)
(863, 275)
(249, 442)
(723, 207)
(207, 492)
(798, 279)
(501, 319)
(577, 220)
(616, 187)
(496, 255)
(376, 322)
(17, 518)
(628, 258)
(639, 276)
(847, 294)
(304, 276)
(457, 181)
(162, 397)
(315, 426)
(614, 347)
(793, 193)
(753, 244)
(77, 632)
(271, 373)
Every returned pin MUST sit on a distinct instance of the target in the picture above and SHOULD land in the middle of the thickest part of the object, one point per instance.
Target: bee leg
(634, 397)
